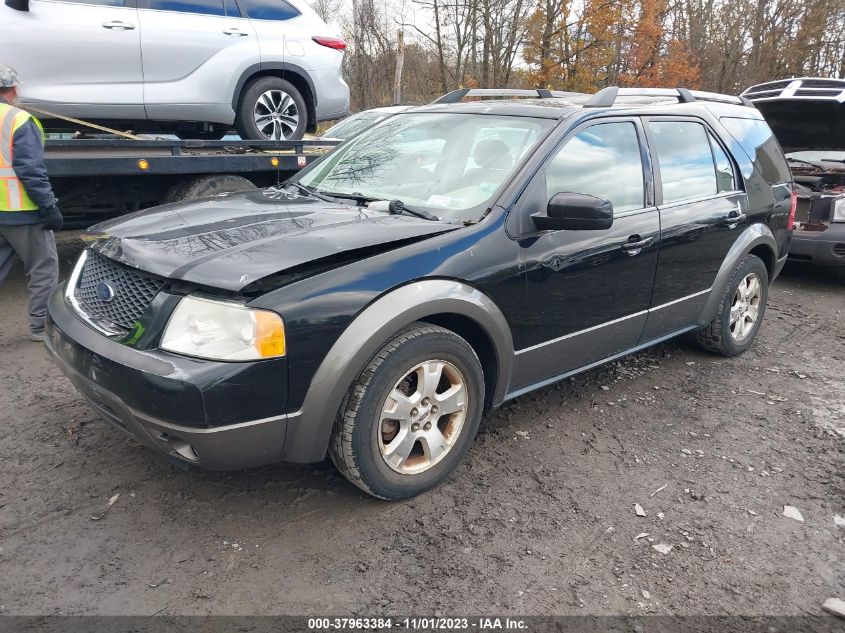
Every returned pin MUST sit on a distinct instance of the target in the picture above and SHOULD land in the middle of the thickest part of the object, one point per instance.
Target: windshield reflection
(448, 164)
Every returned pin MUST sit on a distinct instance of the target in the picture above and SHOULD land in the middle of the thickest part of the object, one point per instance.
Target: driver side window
(603, 160)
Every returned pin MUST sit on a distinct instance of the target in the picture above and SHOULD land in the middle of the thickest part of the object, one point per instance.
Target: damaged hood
(234, 240)
(806, 125)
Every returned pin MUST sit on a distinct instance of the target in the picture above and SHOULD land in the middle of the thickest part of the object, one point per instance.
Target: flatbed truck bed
(96, 179)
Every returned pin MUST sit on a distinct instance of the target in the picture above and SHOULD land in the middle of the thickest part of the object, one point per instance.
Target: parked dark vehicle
(451, 258)
(807, 116)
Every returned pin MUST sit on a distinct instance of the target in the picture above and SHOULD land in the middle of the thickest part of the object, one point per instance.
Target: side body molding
(755, 235)
(309, 429)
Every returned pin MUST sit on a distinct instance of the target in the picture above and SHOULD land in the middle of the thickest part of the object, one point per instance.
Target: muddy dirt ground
(539, 519)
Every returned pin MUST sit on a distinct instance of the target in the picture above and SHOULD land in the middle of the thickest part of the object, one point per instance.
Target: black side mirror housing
(575, 212)
(18, 5)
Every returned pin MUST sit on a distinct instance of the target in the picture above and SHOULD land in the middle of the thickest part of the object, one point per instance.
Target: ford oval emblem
(105, 292)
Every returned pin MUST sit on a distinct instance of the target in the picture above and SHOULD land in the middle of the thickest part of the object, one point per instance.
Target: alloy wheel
(276, 115)
(422, 417)
(745, 308)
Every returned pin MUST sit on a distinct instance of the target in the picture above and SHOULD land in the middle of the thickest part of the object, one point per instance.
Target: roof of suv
(558, 104)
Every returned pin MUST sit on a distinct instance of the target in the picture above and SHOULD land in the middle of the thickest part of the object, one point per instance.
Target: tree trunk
(444, 86)
(400, 61)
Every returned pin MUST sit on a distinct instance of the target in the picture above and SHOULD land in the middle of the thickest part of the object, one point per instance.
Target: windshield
(351, 125)
(446, 164)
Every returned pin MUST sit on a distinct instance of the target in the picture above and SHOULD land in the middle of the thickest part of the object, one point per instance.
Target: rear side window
(603, 161)
(759, 144)
(724, 169)
(685, 158)
(269, 9)
(203, 7)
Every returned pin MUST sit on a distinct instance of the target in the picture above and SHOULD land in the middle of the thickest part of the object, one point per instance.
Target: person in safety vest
(28, 210)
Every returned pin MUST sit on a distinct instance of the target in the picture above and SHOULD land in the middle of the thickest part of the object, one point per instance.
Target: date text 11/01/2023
(416, 624)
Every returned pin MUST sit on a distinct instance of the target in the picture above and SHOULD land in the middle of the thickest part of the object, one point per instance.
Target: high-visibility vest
(13, 196)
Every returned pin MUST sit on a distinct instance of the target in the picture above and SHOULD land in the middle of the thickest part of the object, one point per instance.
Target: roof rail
(455, 96)
(813, 88)
(606, 97)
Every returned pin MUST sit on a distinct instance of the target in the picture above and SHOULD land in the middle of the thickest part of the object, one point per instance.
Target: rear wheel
(740, 313)
(207, 186)
(411, 415)
(272, 109)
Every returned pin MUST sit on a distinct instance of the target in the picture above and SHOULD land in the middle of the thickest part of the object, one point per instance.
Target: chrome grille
(131, 291)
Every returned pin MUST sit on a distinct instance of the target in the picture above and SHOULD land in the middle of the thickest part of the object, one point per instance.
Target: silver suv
(269, 68)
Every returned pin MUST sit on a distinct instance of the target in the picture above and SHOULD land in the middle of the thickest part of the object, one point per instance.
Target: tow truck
(99, 178)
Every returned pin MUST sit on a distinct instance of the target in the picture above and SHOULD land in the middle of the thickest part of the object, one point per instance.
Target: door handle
(237, 32)
(117, 24)
(635, 245)
(733, 219)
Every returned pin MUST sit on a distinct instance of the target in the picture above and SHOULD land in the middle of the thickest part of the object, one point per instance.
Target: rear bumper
(332, 94)
(177, 407)
(826, 248)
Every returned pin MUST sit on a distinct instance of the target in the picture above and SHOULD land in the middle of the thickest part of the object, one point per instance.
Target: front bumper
(826, 248)
(194, 412)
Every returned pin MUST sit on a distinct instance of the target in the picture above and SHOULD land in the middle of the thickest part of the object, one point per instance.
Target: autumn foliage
(585, 45)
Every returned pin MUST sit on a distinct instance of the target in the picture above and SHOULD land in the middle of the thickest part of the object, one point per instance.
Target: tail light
(790, 221)
(330, 42)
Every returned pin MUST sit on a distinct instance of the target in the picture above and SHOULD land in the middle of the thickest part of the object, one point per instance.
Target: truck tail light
(790, 221)
(330, 42)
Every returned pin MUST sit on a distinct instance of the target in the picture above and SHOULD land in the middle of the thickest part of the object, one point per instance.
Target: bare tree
(400, 62)
(327, 9)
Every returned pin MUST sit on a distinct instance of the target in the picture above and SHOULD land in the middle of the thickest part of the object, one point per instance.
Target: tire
(721, 335)
(361, 434)
(207, 186)
(266, 95)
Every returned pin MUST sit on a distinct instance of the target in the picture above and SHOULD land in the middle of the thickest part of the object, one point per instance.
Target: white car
(269, 68)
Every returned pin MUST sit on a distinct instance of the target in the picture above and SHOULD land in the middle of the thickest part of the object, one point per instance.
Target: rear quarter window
(278, 10)
(759, 145)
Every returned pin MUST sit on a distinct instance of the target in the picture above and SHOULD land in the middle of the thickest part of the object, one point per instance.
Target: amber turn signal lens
(143, 164)
(269, 334)
(274, 161)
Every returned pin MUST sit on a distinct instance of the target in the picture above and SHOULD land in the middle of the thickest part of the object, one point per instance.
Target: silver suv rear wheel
(276, 115)
(271, 109)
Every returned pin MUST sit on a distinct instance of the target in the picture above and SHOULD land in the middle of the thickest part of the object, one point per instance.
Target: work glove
(52, 218)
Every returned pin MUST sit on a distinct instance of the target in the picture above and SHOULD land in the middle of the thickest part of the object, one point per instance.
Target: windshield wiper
(360, 198)
(310, 192)
(397, 207)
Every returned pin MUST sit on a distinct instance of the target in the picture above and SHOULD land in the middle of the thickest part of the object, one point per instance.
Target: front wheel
(272, 109)
(410, 417)
(740, 313)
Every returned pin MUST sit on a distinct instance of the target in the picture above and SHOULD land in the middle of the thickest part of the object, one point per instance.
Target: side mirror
(18, 5)
(575, 212)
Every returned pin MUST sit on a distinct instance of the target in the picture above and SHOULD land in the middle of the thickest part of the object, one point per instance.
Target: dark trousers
(37, 250)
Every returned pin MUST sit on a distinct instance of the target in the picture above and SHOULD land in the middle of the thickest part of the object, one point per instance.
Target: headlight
(839, 210)
(220, 330)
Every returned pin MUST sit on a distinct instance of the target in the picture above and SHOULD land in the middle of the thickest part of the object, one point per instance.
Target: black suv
(453, 257)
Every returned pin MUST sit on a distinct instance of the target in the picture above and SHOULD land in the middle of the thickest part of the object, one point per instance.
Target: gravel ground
(540, 518)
